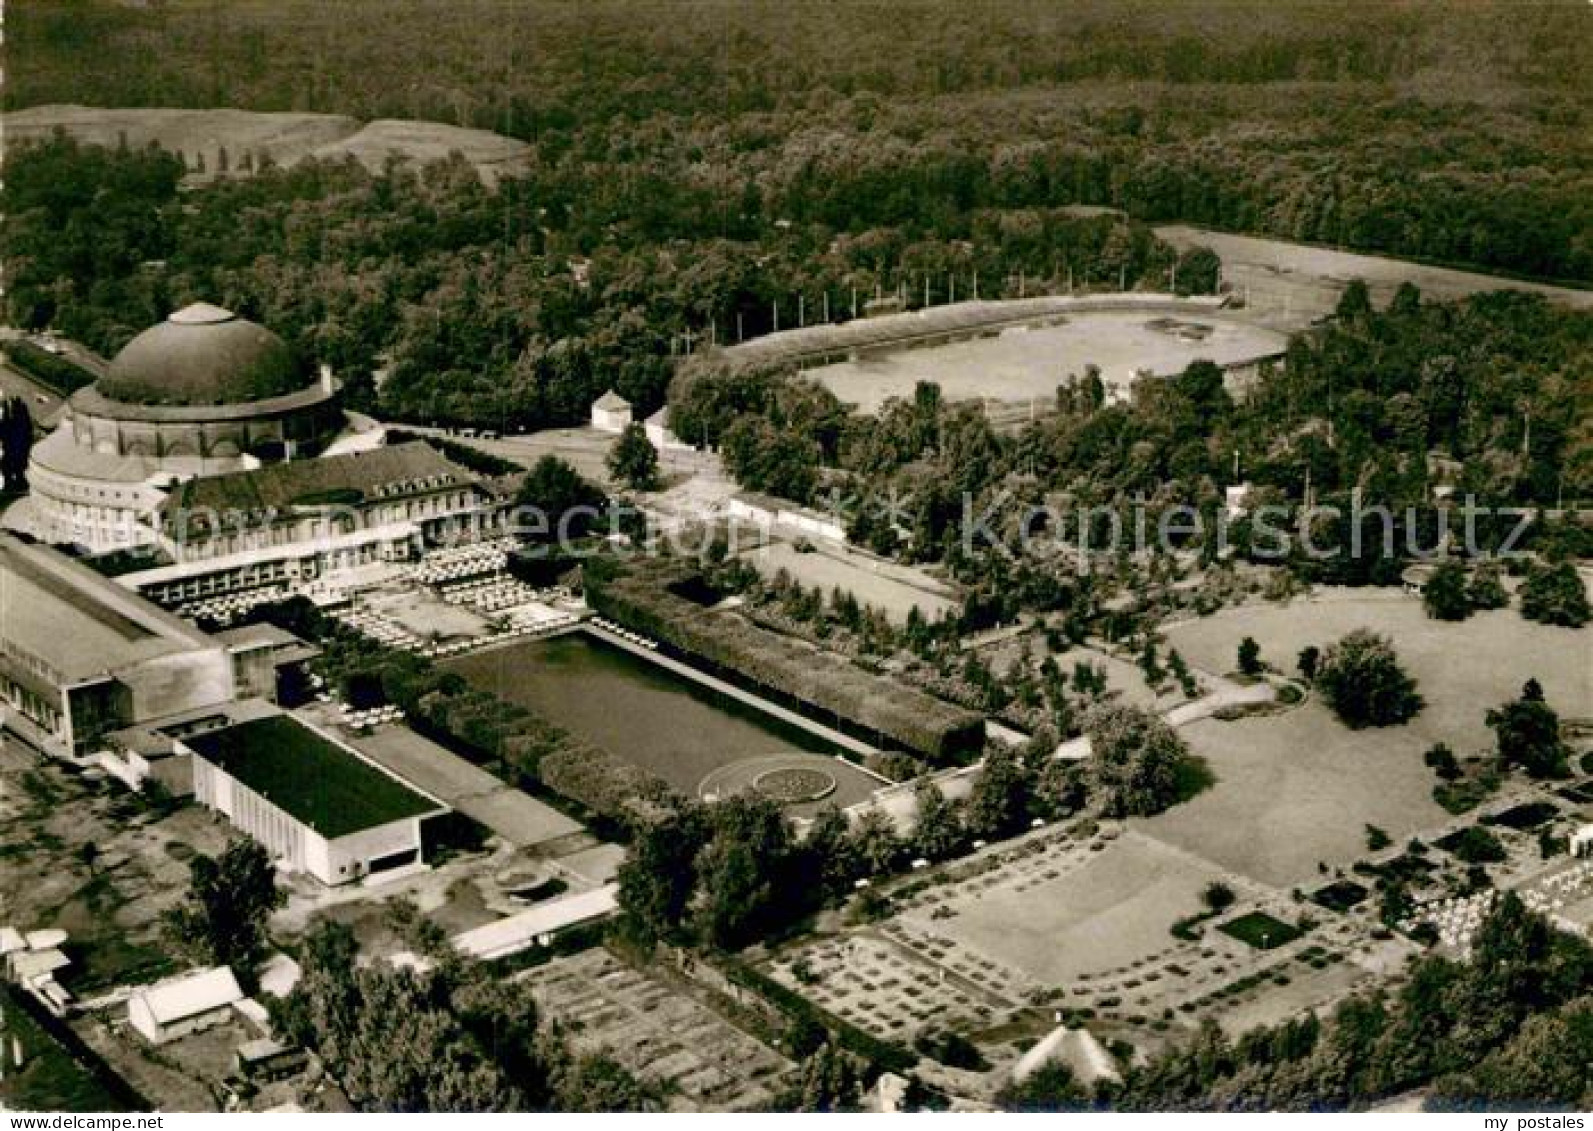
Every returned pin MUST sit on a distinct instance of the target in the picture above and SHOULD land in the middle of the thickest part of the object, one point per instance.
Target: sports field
(1025, 363)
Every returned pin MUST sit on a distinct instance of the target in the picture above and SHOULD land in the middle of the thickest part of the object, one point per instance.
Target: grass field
(286, 138)
(1028, 363)
(1462, 668)
(883, 585)
(49, 1078)
(1289, 284)
(1298, 788)
(1260, 930)
(110, 911)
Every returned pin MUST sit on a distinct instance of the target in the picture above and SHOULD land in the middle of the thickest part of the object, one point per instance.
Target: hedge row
(642, 597)
(602, 781)
(887, 1056)
(59, 375)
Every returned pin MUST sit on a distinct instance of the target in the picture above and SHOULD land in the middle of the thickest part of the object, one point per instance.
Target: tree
(1486, 590)
(1355, 302)
(1050, 1087)
(559, 502)
(1217, 896)
(830, 851)
(658, 874)
(451, 1039)
(1527, 731)
(998, 806)
(1361, 679)
(876, 843)
(1442, 761)
(1138, 765)
(1307, 662)
(1376, 839)
(1554, 594)
(938, 832)
(743, 874)
(1445, 595)
(633, 460)
(1250, 656)
(1199, 271)
(830, 1079)
(230, 897)
(596, 1082)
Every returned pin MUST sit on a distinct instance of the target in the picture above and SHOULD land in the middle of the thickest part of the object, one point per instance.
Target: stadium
(1013, 354)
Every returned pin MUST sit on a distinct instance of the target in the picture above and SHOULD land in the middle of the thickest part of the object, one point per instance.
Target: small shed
(611, 412)
(185, 1005)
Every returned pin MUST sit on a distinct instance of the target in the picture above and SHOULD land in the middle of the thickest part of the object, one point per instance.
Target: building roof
(190, 995)
(611, 402)
(285, 647)
(660, 418)
(202, 355)
(505, 936)
(307, 775)
(33, 963)
(77, 623)
(1077, 1048)
(410, 468)
(46, 938)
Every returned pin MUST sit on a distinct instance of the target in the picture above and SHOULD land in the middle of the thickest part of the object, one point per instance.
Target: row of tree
(732, 873)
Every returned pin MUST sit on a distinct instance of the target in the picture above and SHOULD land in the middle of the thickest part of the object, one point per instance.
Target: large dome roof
(201, 355)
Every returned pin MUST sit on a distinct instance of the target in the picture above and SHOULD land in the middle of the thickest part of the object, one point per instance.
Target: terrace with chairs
(456, 563)
(225, 609)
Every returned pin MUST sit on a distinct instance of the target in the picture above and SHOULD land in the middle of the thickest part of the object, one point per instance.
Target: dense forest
(509, 307)
(1459, 135)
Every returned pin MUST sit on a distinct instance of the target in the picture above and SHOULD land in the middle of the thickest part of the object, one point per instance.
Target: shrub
(1444, 596)
(59, 375)
(1555, 595)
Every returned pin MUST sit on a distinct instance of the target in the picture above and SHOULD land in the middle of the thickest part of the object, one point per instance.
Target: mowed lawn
(1299, 788)
(1462, 669)
(1114, 910)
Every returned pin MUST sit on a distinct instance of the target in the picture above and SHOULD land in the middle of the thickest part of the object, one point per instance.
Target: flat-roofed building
(316, 804)
(81, 656)
(269, 662)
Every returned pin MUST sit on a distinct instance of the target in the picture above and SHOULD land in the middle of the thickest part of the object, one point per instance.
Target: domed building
(203, 393)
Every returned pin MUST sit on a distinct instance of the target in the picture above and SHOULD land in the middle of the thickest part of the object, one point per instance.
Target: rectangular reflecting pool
(695, 739)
